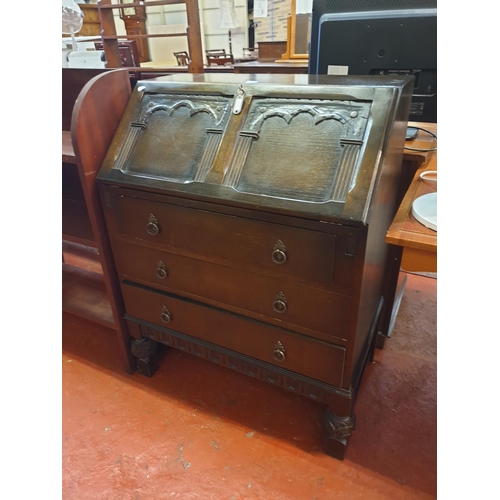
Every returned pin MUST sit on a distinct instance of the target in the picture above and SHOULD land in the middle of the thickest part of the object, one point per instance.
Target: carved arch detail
(352, 115)
(288, 115)
(193, 109)
(217, 108)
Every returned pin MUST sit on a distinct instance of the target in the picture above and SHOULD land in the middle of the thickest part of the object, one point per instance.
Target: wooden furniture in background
(91, 25)
(298, 35)
(93, 103)
(249, 54)
(272, 67)
(269, 61)
(182, 58)
(258, 241)
(110, 38)
(218, 57)
(270, 51)
(419, 243)
(134, 19)
(129, 53)
(412, 246)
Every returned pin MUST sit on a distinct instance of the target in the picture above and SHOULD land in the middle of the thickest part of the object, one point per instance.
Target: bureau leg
(373, 345)
(145, 352)
(338, 431)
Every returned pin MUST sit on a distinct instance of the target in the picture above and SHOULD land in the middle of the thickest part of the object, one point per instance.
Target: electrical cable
(423, 150)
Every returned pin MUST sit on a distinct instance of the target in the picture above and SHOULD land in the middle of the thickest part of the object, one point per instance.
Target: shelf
(76, 222)
(68, 153)
(84, 295)
(82, 256)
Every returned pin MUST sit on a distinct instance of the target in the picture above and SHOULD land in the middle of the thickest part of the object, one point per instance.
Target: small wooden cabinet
(247, 222)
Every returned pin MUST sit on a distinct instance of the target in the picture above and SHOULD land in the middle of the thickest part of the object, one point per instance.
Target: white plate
(424, 209)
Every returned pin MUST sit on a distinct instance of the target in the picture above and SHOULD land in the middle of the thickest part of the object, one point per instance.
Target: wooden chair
(182, 58)
(219, 57)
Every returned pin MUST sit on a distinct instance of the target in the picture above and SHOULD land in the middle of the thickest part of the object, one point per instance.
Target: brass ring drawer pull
(280, 303)
(279, 253)
(165, 315)
(161, 270)
(279, 306)
(279, 352)
(152, 227)
(279, 257)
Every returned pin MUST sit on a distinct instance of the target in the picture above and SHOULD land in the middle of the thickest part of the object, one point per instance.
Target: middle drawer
(274, 300)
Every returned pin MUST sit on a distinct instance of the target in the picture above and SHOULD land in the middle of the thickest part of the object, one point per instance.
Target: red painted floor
(200, 431)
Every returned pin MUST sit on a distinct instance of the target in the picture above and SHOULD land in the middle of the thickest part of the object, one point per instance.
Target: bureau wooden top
(310, 147)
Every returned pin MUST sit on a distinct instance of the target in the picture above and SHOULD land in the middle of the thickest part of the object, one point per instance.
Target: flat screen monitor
(379, 37)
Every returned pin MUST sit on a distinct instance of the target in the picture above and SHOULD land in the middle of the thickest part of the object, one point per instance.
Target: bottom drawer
(297, 353)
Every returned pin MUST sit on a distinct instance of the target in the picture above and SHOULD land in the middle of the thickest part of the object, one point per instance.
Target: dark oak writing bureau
(247, 220)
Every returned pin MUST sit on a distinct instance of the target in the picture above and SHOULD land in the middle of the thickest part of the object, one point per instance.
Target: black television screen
(372, 37)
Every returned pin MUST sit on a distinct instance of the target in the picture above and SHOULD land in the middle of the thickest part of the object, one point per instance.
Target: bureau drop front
(247, 219)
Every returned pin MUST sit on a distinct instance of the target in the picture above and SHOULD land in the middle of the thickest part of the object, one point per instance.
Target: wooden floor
(199, 431)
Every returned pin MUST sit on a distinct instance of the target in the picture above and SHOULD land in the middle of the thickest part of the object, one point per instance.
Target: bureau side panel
(380, 216)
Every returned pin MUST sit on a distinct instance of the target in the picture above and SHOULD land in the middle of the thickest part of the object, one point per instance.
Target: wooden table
(419, 243)
(273, 67)
(413, 247)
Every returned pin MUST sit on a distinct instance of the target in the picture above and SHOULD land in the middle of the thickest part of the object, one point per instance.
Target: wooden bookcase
(92, 105)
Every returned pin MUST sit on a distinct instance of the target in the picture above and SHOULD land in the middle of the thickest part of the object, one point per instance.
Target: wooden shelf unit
(85, 295)
(68, 153)
(93, 103)
(110, 37)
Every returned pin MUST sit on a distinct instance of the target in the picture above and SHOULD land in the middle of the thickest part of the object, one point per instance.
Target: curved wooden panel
(96, 115)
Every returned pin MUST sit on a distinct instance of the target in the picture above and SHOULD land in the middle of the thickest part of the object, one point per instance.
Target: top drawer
(262, 247)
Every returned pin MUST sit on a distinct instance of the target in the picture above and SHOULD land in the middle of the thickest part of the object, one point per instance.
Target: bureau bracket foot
(145, 352)
(338, 431)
